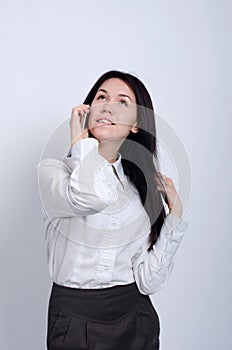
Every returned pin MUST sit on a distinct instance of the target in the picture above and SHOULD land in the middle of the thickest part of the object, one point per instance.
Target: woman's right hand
(75, 123)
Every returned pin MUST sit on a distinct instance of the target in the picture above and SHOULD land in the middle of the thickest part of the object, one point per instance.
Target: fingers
(166, 185)
(80, 110)
(163, 182)
(76, 123)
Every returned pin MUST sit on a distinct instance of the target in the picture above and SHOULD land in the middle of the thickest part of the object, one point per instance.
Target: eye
(123, 102)
(101, 97)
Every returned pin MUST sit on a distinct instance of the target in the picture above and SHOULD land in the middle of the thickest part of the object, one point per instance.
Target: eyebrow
(121, 95)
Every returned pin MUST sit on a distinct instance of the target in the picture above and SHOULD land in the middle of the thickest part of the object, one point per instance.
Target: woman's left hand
(173, 200)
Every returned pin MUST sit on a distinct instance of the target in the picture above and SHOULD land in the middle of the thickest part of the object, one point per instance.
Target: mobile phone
(84, 121)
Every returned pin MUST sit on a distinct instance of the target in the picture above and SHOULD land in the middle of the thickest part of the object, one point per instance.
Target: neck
(109, 149)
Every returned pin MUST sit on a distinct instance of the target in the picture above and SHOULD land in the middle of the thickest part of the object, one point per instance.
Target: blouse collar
(118, 166)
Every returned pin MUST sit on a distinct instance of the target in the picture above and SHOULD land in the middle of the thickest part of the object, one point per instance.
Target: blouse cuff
(79, 151)
(175, 224)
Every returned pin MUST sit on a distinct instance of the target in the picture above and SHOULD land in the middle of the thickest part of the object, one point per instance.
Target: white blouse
(97, 230)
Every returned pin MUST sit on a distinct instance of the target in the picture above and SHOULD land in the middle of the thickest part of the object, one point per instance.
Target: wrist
(78, 138)
(177, 211)
(75, 140)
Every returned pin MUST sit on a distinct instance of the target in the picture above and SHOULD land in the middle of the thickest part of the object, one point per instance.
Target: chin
(103, 135)
(109, 133)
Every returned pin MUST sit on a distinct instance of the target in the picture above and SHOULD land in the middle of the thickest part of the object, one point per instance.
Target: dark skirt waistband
(103, 305)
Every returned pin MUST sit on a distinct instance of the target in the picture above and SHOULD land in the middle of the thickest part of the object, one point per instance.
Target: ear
(134, 129)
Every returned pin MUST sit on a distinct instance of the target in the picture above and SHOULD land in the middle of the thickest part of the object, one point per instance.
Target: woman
(110, 242)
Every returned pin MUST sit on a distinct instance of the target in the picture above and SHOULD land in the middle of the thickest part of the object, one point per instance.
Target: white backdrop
(51, 54)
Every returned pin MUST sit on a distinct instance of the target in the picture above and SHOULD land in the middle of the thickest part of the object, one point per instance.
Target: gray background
(51, 54)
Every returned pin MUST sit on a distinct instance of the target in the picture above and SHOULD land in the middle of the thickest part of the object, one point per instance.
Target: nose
(108, 107)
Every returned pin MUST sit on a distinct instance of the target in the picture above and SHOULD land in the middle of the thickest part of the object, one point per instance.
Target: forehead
(115, 86)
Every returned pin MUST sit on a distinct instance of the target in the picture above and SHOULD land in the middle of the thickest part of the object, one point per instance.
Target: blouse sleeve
(152, 269)
(82, 184)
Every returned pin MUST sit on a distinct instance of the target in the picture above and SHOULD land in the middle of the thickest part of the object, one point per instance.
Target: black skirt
(113, 318)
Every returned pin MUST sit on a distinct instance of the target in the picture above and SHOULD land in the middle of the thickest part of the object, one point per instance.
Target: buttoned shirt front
(97, 230)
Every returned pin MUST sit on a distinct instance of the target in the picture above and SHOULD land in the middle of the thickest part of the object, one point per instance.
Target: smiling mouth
(105, 122)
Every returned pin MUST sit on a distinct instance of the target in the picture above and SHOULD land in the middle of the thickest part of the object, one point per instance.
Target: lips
(105, 121)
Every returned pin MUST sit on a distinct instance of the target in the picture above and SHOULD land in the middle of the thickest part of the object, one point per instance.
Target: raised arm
(82, 184)
(152, 269)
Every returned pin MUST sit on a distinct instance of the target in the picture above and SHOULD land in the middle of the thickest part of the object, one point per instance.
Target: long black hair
(139, 151)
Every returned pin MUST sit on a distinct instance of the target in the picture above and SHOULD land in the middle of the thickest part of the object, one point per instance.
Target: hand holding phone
(78, 123)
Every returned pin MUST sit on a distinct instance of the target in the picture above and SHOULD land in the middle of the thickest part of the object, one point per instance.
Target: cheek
(124, 130)
(90, 121)
(128, 118)
(94, 111)
(131, 115)
(92, 115)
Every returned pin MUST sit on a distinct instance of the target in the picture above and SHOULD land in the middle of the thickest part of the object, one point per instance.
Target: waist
(103, 305)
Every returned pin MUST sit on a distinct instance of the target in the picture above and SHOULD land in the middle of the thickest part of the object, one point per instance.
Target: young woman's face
(113, 111)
